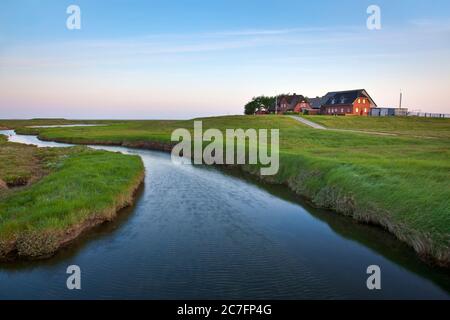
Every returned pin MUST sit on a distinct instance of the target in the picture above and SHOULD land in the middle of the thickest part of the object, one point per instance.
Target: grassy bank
(399, 182)
(62, 192)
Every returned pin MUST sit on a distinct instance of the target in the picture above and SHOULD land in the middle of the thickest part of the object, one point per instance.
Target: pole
(276, 104)
(401, 96)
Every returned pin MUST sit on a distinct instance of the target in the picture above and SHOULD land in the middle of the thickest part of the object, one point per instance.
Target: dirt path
(309, 123)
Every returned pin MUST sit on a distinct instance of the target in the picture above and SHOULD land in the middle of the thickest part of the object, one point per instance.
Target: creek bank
(37, 245)
(326, 196)
(149, 145)
(337, 200)
(39, 219)
(3, 185)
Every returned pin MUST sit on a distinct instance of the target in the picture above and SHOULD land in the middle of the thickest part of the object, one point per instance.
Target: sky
(183, 59)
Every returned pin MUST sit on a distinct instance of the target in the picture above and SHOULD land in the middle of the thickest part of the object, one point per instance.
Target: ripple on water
(199, 233)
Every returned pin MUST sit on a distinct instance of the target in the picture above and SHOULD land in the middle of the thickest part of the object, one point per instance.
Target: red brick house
(289, 103)
(296, 103)
(315, 104)
(302, 105)
(353, 102)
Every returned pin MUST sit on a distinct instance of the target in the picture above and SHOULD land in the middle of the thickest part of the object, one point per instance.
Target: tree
(257, 102)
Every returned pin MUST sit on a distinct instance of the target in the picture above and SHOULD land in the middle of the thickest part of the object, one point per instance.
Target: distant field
(12, 124)
(48, 195)
(412, 126)
(401, 182)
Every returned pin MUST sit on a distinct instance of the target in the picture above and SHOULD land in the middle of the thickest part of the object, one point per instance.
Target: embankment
(80, 193)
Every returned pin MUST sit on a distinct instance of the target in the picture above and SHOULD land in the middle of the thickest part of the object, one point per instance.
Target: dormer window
(342, 100)
(333, 101)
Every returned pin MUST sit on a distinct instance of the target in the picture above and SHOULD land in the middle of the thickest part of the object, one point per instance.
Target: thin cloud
(155, 47)
(431, 24)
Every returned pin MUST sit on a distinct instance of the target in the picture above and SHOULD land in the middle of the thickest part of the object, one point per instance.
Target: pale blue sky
(178, 59)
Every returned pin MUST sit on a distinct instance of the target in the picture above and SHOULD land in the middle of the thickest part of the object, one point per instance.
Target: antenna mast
(276, 104)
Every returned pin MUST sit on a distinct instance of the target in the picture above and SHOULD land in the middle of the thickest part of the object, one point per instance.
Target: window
(365, 110)
(342, 110)
(342, 100)
(357, 110)
(364, 101)
(359, 100)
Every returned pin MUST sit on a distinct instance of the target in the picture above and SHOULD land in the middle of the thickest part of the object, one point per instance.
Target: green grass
(409, 126)
(78, 187)
(18, 164)
(401, 182)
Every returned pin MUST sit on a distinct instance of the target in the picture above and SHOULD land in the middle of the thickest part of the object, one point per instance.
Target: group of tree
(258, 102)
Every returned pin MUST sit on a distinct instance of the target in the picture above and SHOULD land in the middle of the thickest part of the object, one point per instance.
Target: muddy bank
(149, 145)
(327, 197)
(3, 185)
(40, 245)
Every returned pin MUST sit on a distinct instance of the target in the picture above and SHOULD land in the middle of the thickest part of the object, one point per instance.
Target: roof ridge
(346, 91)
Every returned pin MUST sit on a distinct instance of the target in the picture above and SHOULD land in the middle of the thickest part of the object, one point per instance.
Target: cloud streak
(146, 48)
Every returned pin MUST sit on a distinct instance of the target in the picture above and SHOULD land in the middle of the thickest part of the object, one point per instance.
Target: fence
(428, 115)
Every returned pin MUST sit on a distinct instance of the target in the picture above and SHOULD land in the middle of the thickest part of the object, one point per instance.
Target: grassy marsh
(63, 192)
(400, 182)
